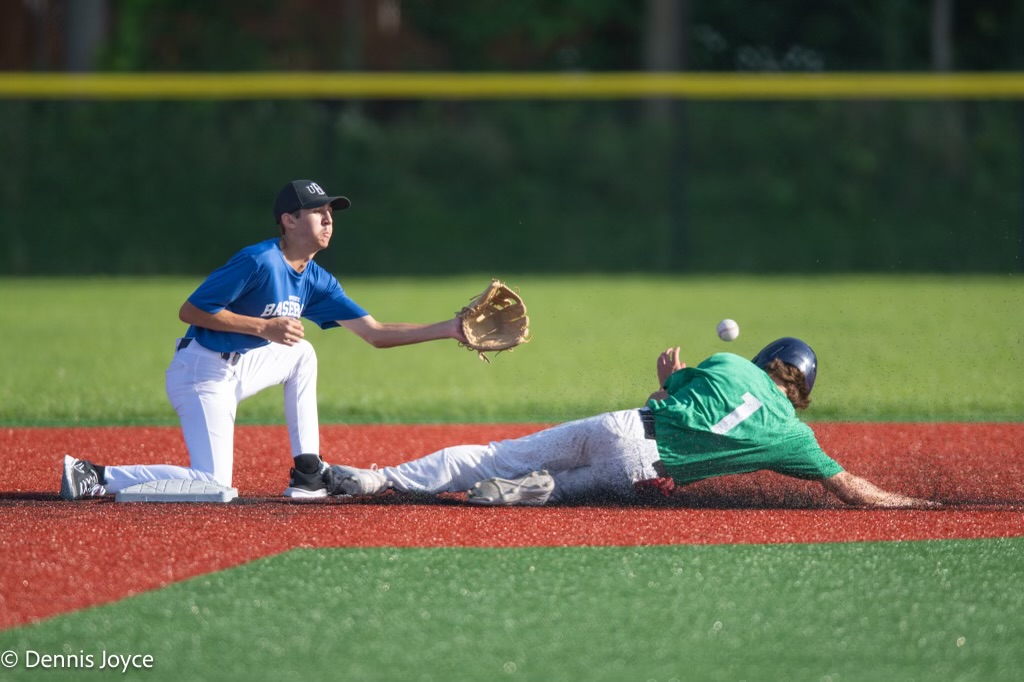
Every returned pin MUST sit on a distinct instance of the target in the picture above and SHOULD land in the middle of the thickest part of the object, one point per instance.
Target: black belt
(647, 419)
(233, 358)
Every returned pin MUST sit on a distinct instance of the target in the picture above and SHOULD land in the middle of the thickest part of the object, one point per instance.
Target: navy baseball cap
(305, 194)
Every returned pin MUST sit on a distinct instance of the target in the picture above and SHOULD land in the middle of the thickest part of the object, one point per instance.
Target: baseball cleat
(364, 481)
(79, 480)
(532, 490)
(307, 486)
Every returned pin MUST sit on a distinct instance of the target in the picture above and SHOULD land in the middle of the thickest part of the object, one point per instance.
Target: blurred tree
(487, 35)
(942, 35)
(86, 30)
(664, 45)
(593, 35)
(664, 49)
(351, 30)
(987, 34)
(37, 12)
(949, 115)
(809, 35)
(230, 35)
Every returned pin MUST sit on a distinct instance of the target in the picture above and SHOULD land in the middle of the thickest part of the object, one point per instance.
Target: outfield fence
(570, 85)
(170, 173)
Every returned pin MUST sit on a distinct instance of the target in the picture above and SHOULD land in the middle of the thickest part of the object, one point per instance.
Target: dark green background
(448, 187)
(519, 186)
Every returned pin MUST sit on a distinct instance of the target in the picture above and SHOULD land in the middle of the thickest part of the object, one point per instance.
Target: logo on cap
(314, 188)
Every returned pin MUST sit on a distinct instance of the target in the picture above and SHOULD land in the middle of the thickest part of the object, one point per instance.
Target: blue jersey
(258, 282)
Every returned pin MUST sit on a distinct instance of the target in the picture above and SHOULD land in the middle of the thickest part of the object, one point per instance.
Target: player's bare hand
(286, 330)
(668, 363)
(660, 394)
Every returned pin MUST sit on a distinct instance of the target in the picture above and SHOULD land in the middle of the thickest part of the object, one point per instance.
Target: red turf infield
(63, 556)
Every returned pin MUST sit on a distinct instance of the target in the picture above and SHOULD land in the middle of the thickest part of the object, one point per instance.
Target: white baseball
(728, 330)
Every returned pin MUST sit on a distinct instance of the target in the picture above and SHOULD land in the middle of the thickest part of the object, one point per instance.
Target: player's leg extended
(452, 469)
(615, 456)
(202, 388)
(117, 478)
(457, 468)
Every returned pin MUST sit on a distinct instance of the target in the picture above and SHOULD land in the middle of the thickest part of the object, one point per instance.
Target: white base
(177, 490)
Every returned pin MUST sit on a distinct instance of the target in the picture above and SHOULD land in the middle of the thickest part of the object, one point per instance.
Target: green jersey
(727, 416)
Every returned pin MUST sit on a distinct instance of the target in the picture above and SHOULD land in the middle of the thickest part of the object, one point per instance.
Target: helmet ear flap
(793, 352)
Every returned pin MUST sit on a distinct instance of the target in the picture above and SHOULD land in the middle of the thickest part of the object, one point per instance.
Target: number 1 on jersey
(730, 421)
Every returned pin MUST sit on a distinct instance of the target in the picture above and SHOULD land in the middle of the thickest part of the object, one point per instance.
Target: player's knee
(216, 472)
(304, 355)
(213, 471)
(306, 350)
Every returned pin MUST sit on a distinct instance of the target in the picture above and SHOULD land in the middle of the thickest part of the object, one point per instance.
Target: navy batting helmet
(792, 352)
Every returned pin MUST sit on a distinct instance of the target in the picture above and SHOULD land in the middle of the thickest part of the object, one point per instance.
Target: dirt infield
(63, 556)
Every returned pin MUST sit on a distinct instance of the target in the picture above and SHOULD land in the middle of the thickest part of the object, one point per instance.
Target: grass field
(782, 612)
(890, 348)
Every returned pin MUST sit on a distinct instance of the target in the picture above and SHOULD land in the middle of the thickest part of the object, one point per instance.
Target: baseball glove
(495, 320)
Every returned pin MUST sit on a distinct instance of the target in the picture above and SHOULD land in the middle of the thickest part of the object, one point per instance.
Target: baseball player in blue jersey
(245, 334)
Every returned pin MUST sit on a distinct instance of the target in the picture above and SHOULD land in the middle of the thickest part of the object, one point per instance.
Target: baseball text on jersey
(290, 308)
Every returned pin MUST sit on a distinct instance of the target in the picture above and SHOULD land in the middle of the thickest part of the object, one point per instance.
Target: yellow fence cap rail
(562, 85)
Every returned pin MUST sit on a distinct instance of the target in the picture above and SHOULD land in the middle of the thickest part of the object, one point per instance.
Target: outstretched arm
(859, 491)
(391, 334)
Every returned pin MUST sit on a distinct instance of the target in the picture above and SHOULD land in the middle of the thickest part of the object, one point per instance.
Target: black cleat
(307, 486)
(79, 480)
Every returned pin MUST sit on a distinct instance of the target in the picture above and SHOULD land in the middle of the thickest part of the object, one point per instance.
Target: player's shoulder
(260, 250)
(317, 273)
(264, 255)
(738, 371)
(730, 361)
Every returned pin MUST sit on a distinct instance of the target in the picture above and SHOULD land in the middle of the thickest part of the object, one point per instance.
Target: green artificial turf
(94, 351)
(929, 611)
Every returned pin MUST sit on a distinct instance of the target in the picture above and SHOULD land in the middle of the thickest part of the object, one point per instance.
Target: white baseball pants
(602, 455)
(205, 390)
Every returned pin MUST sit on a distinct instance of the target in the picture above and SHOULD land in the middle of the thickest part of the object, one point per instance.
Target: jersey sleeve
(678, 380)
(804, 458)
(332, 304)
(225, 284)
